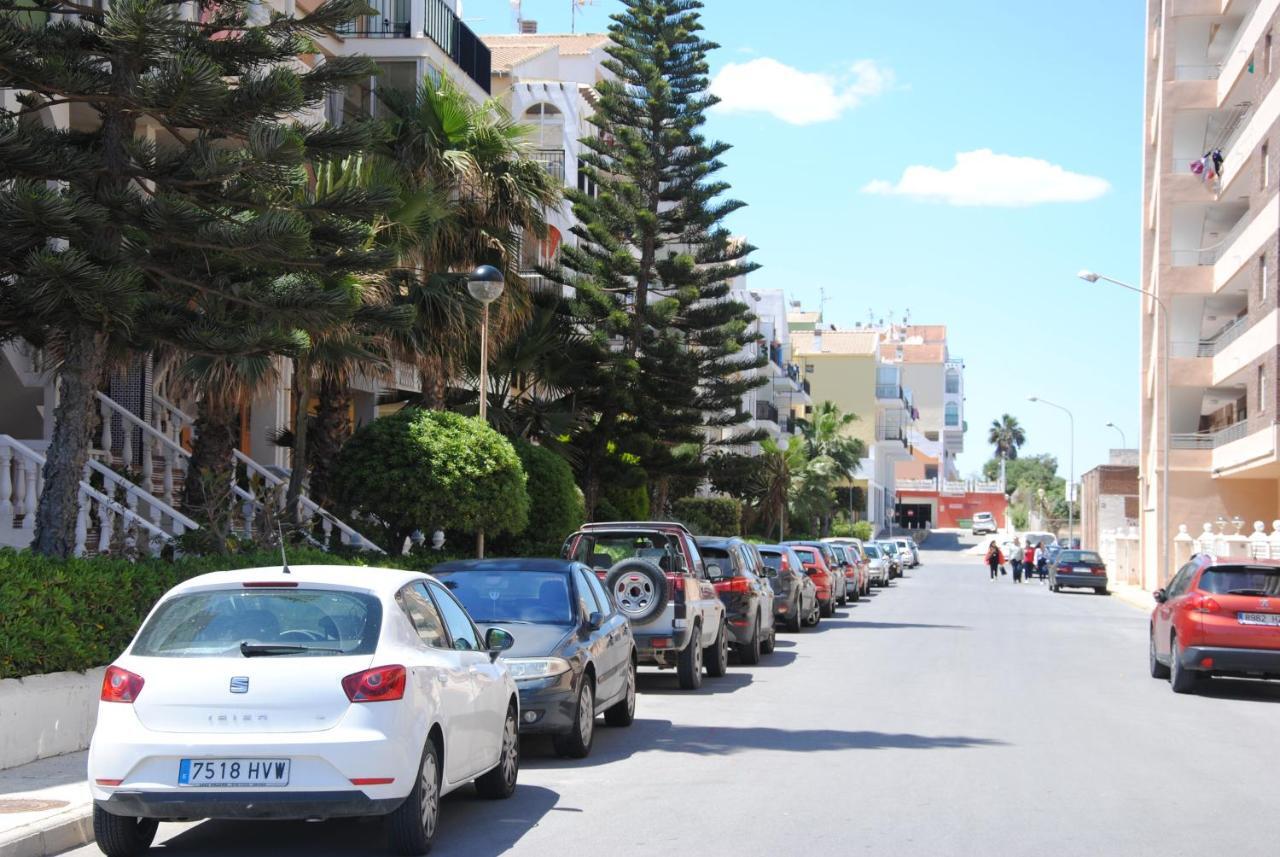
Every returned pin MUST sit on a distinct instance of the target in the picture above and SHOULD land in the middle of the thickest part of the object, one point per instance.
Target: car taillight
(675, 583)
(1203, 604)
(737, 585)
(120, 685)
(1102, 569)
(380, 684)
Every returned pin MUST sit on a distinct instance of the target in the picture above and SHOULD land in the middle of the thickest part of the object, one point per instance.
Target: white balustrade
(1259, 544)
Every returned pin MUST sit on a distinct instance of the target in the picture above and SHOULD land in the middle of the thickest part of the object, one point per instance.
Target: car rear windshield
(807, 554)
(1241, 580)
(1082, 557)
(512, 596)
(307, 622)
(603, 550)
(772, 560)
(872, 551)
(718, 557)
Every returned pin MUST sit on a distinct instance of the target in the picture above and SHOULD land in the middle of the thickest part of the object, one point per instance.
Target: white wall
(47, 715)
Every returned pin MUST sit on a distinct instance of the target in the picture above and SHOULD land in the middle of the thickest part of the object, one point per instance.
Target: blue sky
(846, 120)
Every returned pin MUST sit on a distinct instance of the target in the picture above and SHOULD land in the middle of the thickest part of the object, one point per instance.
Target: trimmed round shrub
(710, 516)
(555, 503)
(427, 470)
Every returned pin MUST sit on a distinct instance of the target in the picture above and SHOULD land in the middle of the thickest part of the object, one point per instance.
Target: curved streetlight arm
(1071, 423)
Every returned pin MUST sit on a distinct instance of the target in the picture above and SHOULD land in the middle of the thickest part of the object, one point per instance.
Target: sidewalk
(45, 807)
(1134, 596)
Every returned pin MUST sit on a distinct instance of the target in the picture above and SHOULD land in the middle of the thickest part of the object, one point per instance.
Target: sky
(957, 161)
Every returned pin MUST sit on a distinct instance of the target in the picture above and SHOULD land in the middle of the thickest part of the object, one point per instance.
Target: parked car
(737, 573)
(910, 551)
(839, 585)
(1217, 617)
(895, 553)
(795, 601)
(983, 523)
(1039, 538)
(302, 693)
(849, 566)
(880, 563)
(656, 576)
(574, 658)
(1078, 568)
(854, 548)
(815, 565)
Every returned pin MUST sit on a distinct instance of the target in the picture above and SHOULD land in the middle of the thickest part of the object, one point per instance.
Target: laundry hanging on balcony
(1209, 166)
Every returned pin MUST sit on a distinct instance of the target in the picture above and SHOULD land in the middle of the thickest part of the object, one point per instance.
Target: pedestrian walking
(1029, 560)
(1015, 560)
(1042, 561)
(994, 559)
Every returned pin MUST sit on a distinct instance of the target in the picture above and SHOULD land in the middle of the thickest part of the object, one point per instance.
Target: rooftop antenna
(574, 5)
(822, 303)
(284, 560)
(516, 12)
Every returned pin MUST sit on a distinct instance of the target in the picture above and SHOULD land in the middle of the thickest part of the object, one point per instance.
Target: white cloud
(765, 85)
(983, 178)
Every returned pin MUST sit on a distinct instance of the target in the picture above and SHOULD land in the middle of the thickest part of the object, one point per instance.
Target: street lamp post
(1071, 490)
(485, 284)
(1123, 444)
(1162, 550)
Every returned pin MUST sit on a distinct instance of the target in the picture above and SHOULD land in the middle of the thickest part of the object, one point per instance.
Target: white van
(984, 522)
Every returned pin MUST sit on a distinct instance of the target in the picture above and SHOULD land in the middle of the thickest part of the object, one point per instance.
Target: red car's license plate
(1259, 618)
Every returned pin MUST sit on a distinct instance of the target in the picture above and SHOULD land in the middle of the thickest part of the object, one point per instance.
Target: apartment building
(1210, 223)
(845, 367)
(919, 358)
(146, 415)
(1109, 497)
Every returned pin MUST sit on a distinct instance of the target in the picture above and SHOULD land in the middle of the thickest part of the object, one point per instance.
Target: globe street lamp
(1071, 490)
(1162, 549)
(485, 284)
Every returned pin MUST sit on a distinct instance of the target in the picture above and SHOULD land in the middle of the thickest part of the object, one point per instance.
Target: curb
(69, 829)
(1133, 596)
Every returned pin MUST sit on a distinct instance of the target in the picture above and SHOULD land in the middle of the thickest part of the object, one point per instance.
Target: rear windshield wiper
(256, 650)
(1261, 592)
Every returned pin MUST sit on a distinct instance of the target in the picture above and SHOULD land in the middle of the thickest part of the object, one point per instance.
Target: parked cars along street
(846, 562)
(1217, 617)
(656, 576)
(909, 551)
(574, 657)
(310, 692)
(796, 597)
(880, 564)
(738, 576)
(897, 563)
(838, 583)
(823, 577)
(1078, 568)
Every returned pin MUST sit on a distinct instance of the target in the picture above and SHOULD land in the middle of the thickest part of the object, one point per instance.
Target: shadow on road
(468, 825)
(665, 682)
(944, 542)
(777, 659)
(646, 736)
(1246, 690)
(878, 625)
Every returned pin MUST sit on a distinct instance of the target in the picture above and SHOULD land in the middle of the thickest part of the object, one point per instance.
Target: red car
(821, 575)
(1217, 617)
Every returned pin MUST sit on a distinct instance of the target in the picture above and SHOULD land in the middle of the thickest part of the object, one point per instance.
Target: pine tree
(164, 207)
(653, 263)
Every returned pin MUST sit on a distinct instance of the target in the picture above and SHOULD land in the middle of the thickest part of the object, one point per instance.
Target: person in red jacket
(1028, 561)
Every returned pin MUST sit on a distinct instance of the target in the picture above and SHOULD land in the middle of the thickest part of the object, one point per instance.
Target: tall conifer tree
(654, 261)
(164, 205)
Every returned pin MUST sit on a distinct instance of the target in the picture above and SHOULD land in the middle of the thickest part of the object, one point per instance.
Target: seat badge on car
(239, 684)
(1266, 602)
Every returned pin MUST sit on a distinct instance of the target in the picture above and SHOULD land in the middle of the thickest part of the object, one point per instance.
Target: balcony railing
(767, 411)
(1209, 71)
(552, 160)
(888, 391)
(1211, 254)
(393, 19)
(1211, 439)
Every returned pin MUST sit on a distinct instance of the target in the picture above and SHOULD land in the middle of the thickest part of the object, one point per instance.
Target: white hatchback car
(311, 693)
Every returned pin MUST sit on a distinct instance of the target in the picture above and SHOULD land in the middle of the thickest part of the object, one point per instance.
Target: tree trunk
(435, 385)
(213, 456)
(332, 430)
(301, 417)
(59, 506)
(658, 496)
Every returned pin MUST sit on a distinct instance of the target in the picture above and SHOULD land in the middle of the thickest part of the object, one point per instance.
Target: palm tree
(826, 433)
(469, 192)
(1006, 436)
(778, 467)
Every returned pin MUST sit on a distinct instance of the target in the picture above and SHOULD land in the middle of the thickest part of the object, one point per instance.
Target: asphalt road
(947, 715)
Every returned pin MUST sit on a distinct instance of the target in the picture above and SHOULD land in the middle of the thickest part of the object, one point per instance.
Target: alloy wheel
(430, 796)
(510, 751)
(586, 713)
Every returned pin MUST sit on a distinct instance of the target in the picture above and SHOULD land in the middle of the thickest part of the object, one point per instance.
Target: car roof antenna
(284, 560)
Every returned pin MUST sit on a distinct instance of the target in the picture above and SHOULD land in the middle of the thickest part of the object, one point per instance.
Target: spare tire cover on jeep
(638, 588)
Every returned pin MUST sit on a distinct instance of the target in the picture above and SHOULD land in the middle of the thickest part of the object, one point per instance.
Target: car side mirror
(1160, 595)
(497, 641)
(595, 620)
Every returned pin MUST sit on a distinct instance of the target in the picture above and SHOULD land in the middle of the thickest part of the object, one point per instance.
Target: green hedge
(555, 502)
(710, 516)
(81, 613)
